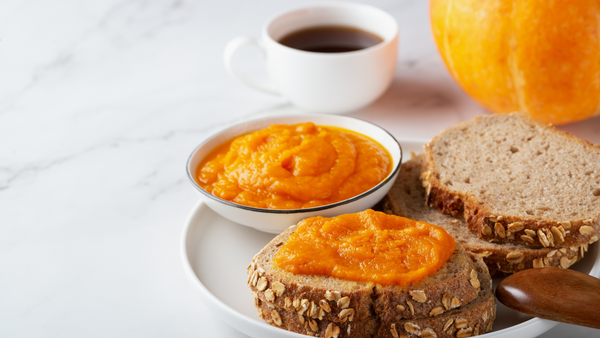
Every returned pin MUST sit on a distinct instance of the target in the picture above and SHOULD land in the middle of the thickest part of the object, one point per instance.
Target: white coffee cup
(324, 82)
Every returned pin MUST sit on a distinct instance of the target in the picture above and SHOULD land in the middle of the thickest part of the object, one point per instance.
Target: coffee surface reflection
(330, 39)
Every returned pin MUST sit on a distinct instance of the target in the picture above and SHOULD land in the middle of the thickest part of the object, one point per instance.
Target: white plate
(216, 252)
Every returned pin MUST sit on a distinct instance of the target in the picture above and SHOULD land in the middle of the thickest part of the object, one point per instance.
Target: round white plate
(216, 252)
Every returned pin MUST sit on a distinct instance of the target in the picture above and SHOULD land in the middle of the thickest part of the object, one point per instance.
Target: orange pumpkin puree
(368, 246)
(294, 166)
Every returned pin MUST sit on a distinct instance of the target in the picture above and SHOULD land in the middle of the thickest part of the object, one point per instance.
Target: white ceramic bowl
(276, 220)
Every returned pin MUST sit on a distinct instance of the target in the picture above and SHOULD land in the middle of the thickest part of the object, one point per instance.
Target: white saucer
(216, 252)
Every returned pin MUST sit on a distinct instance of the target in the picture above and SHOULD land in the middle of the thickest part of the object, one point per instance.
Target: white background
(101, 102)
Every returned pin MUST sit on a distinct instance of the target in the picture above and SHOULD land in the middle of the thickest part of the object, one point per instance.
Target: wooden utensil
(561, 295)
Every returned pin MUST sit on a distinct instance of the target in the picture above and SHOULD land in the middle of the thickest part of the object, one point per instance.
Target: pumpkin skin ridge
(539, 58)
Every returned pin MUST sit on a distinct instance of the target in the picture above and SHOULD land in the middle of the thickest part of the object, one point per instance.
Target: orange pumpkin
(541, 57)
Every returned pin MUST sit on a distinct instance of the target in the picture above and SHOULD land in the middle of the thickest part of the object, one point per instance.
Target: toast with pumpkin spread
(327, 306)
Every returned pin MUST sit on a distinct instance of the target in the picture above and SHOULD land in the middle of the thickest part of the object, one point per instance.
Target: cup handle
(232, 47)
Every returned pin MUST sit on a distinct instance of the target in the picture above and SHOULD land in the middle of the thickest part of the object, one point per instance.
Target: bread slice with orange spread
(325, 306)
(407, 198)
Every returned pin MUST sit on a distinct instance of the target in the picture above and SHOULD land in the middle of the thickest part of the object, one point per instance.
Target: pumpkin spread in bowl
(294, 166)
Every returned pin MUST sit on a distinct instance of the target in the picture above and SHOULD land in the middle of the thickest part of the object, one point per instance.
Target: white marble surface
(101, 102)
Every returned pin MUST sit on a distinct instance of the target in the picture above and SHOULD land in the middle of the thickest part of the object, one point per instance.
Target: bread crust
(290, 320)
(472, 319)
(405, 199)
(308, 304)
(501, 226)
(475, 317)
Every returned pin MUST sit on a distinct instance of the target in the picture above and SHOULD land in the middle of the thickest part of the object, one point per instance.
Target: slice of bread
(474, 318)
(407, 198)
(323, 305)
(516, 180)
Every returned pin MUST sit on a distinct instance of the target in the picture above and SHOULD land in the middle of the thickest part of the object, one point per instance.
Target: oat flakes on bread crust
(474, 318)
(407, 198)
(308, 304)
(516, 180)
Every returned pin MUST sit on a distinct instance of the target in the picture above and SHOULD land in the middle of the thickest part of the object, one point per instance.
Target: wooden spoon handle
(561, 295)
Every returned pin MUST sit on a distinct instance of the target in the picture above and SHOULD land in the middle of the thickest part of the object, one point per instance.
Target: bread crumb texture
(506, 174)
(407, 198)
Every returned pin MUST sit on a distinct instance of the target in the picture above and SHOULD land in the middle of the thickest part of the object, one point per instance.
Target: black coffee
(330, 39)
